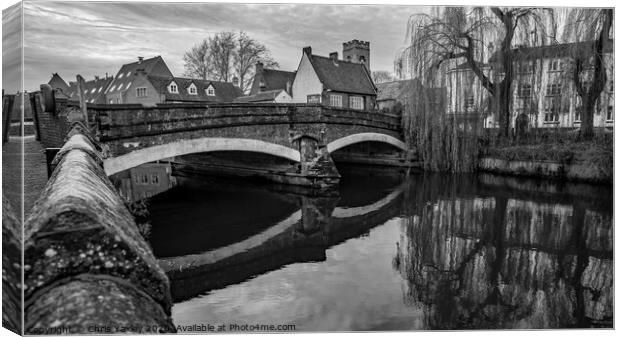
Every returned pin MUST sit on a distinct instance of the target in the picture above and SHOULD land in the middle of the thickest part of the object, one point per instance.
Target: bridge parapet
(85, 263)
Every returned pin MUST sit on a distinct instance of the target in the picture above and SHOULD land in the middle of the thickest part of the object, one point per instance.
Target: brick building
(543, 88)
(334, 82)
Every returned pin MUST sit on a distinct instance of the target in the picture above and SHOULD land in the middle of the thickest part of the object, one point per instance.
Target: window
(469, 102)
(120, 86)
(610, 113)
(144, 179)
(121, 75)
(128, 73)
(210, 91)
(578, 114)
(525, 67)
(112, 89)
(335, 100)
(525, 90)
(192, 89)
(173, 88)
(141, 92)
(93, 90)
(551, 110)
(555, 65)
(554, 89)
(111, 101)
(99, 89)
(611, 85)
(154, 179)
(356, 102)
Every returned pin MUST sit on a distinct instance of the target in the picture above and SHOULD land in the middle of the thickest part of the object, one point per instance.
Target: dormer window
(192, 89)
(172, 87)
(128, 73)
(210, 91)
(121, 75)
(120, 86)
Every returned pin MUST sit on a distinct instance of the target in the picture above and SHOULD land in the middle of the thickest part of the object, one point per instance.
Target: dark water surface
(387, 253)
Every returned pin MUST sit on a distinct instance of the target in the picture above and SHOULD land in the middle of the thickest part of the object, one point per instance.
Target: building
(357, 52)
(181, 90)
(542, 90)
(131, 83)
(271, 79)
(333, 82)
(149, 82)
(392, 96)
(271, 96)
(94, 90)
(57, 83)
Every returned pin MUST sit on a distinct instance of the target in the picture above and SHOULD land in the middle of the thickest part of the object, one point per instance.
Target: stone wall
(52, 126)
(87, 269)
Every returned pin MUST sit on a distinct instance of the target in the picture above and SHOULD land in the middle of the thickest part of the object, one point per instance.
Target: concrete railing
(87, 268)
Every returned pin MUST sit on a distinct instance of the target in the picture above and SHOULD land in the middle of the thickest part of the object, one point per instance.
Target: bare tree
(469, 34)
(249, 52)
(222, 47)
(198, 61)
(589, 28)
(381, 76)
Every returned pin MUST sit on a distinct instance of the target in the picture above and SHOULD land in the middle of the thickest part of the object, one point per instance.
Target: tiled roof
(128, 73)
(263, 96)
(276, 79)
(396, 89)
(343, 76)
(224, 91)
(94, 90)
(550, 51)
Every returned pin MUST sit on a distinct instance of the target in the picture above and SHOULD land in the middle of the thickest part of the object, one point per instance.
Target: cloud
(92, 38)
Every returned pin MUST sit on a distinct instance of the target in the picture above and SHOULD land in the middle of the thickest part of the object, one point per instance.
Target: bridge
(303, 137)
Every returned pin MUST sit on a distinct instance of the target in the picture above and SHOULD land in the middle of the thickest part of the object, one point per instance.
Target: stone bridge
(305, 135)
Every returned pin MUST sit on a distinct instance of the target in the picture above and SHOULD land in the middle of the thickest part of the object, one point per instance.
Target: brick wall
(52, 126)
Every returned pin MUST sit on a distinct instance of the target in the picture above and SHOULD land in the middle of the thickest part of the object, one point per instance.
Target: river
(388, 252)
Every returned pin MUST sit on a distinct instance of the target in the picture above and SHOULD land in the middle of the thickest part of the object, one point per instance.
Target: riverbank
(587, 161)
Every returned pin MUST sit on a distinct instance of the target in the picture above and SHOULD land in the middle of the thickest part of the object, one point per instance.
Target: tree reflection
(472, 260)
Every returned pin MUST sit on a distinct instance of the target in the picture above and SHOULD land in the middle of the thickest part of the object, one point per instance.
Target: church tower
(357, 52)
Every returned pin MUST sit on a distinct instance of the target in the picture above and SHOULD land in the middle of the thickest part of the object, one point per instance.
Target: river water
(388, 252)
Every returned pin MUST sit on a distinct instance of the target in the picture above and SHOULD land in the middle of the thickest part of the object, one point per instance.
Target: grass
(568, 150)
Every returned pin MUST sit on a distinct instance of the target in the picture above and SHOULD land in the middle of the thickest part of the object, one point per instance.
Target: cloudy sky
(93, 38)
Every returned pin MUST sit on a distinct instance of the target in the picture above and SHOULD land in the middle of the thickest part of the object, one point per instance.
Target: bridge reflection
(474, 251)
(302, 235)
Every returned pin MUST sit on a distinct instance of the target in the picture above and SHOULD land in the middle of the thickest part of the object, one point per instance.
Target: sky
(92, 38)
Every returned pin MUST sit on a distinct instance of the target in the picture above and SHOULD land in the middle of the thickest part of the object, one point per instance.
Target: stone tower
(357, 51)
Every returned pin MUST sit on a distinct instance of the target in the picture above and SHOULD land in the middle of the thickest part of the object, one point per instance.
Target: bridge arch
(189, 146)
(365, 137)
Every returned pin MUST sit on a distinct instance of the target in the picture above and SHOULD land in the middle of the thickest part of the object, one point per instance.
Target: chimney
(334, 56)
(140, 59)
(307, 50)
(236, 81)
(96, 77)
(259, 66)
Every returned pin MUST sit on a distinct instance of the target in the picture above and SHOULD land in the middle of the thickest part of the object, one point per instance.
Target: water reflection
(491, 260)
(388, 253)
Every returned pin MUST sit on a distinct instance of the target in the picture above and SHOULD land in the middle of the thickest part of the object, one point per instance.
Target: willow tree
(471, 35)
(589, 31)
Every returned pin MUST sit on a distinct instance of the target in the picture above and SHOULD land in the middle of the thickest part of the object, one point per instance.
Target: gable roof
(224, 91)
(397, 90)
(56, 82)
(343, 76)
(128, 72)
(263, 96)
(274, 79)
(94, 91)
